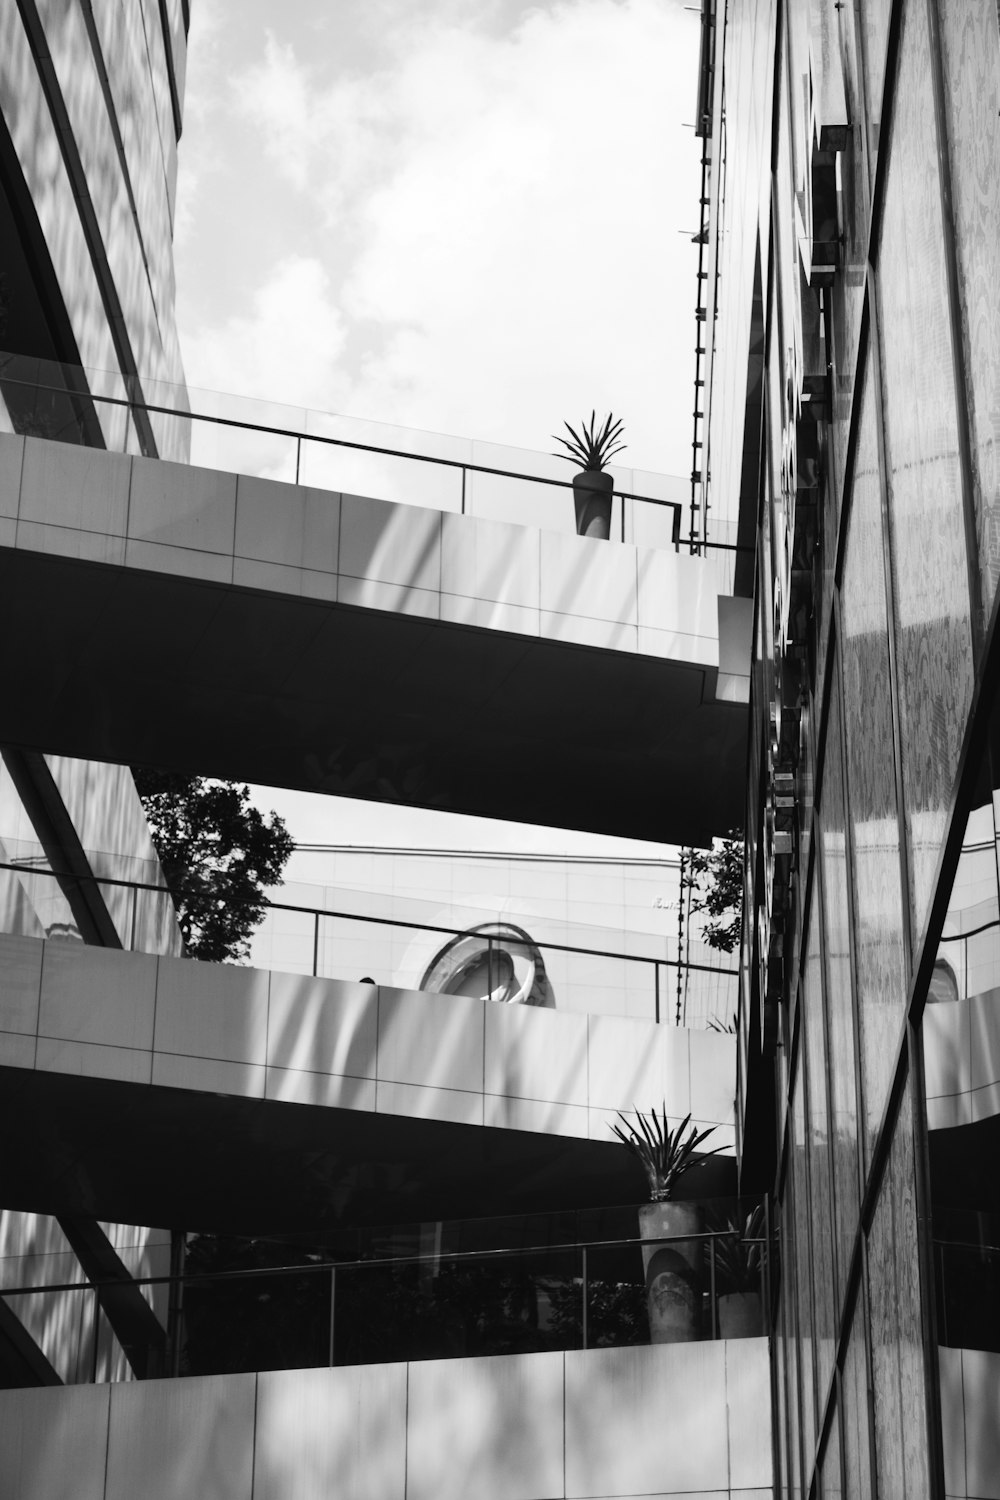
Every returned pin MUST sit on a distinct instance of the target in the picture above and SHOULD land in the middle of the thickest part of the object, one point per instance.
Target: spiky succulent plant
(592, 447)
(664, 1154)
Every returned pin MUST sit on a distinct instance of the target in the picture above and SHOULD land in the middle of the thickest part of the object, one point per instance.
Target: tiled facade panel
(611, 1424)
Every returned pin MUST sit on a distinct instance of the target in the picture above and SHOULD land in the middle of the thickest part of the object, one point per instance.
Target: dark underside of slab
(147, 669)
(141, 1154)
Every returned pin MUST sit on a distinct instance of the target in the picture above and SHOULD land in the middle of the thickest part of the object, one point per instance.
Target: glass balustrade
(442, 1290)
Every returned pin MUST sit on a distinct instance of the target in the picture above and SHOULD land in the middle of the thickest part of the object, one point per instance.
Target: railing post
(463, 490)
(315, 944)
(175, 1303)
(333, 1312)
(656, 980)
(767, 1262)
(298, 457)
(623, 517)
(711, 1286)
(97, 1332)
(585, 1293)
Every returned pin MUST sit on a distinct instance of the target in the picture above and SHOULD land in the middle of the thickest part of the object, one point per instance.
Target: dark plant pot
(673, 1272)
(740, 1315)
(592, 490)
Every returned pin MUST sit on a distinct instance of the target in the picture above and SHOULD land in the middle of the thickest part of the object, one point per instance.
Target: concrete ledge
(656, 1422)
(288, 636)
(224, 1029)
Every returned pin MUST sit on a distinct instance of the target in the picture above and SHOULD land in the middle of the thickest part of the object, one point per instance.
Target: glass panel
(792, 1372)
(875, 32)
(971, 45)
(897, 1355)
(781, 1415)
(933, 637)
(878, 891)
(840, 1006)
(857, 1460)
(803, 1279)
(848, 290)
(831, 1485)
(961, 1049)
(820, 1156)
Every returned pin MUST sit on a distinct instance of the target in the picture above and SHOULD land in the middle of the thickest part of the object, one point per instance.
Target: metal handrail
(465, 466)
(377, 1261)
(323, 911)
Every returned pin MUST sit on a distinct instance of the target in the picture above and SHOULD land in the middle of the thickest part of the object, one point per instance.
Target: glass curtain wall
(886, 1320)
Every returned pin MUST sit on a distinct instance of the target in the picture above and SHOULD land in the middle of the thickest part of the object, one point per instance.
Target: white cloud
(496, 211)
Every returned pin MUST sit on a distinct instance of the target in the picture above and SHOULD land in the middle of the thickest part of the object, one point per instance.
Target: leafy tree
(716, 878)
(219, 854)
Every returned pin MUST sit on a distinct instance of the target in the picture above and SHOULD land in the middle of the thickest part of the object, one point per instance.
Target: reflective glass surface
(831, 1485)
(874, 17)
(933, 619)
(857, 1445)
(848, 290)
(436, 1290)
(960, 1031)
(871, 776)
(894, 1299)
(971, 46)
(741, 147)
(812, 1023)
(799, 1185)
(840, 1006)
(792, 1349)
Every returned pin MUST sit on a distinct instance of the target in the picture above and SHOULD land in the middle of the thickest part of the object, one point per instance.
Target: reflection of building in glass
(852, 403)
(494, 961)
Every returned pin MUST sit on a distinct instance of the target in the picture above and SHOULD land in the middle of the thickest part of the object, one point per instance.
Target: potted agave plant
(591, 449)
(673, 1271)
(739, 1262)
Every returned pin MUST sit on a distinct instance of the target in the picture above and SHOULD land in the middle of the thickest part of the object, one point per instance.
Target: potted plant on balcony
(592, 449)
(739, 1262)
(673, 1270)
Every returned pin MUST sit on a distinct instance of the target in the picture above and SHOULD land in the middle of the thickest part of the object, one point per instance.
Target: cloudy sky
(466, 216)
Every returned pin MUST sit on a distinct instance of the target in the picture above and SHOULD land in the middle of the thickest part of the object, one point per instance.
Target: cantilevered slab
(171, 1091)
(661, 1421)
(180, 617)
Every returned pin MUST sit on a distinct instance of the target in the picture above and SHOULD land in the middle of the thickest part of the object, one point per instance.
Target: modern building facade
(853, 225)
(90, 115)
(454, 1306)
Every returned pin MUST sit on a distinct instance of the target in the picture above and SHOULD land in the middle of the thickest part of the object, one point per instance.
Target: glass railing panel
(272, 440)
(460, 1289)
(572, 973)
